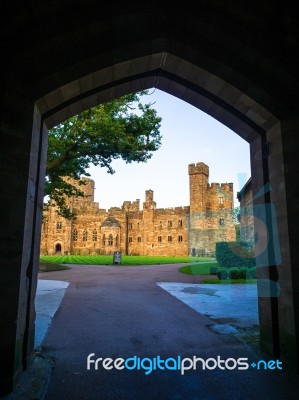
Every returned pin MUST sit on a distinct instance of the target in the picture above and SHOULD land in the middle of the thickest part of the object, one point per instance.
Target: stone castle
(181, 231)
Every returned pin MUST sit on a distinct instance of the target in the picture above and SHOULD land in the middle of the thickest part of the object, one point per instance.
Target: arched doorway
(226, 60)
(57, 248)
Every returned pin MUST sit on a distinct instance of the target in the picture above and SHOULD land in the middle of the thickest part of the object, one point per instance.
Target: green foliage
(229, 281)
(252, 273)
(235, 255)
(237, 215)
(202, 268)
(123, 128)
(223, 273)
(238, 232)
(213, 270)
(238, 273)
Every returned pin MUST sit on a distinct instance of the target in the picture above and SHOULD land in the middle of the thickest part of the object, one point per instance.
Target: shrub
(252, 273)
(223, 273)
(235, 254)
(244, 273)
(235, 273)
(213, 270)
(239, 273)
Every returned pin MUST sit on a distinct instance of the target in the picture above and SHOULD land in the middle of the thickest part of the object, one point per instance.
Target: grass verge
(49, 267)
(198, 269)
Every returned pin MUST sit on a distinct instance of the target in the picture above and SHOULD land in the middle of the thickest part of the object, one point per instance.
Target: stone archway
(225, 59)
(58, 248)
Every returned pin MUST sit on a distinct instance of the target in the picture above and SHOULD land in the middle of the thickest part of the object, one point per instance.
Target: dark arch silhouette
(235, 61)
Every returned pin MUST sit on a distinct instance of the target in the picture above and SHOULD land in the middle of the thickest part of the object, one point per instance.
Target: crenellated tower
(198, 185)
(211, 211)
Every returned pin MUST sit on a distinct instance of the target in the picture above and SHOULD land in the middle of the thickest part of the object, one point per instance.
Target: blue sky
(189, 136)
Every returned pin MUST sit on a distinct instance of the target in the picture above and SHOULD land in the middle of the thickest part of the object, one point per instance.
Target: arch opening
(258, 106)
(187, 81)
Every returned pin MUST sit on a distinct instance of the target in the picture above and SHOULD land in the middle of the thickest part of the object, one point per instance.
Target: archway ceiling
(170, 74)
(234, 60)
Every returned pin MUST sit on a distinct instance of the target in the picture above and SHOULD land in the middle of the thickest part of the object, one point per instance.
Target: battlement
(198, 168)
(111, 209)
(88, 187)
(131, 205)
(173, 209)
(227, 186)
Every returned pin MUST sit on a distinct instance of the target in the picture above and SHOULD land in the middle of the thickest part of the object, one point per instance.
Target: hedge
(236, 273)
(223, 273)
(235, 255)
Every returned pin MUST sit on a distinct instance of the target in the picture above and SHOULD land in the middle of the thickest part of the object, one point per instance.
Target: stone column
(274, 164)
(287, 216)
(22, 158)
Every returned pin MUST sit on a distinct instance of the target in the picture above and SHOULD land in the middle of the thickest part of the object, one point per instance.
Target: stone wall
(246, 213)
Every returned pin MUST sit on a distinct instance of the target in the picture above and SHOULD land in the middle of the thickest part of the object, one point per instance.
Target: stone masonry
(180, 231)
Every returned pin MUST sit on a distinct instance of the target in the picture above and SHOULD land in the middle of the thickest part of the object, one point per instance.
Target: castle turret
(149, 207)
(198, 184)
(149, 203)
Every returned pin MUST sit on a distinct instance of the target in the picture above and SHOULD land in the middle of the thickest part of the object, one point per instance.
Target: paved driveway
(125, 312)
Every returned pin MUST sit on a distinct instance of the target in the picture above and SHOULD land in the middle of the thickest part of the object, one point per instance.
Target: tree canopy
(123, 128)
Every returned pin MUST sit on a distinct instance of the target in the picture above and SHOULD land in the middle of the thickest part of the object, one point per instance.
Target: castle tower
(198, 185)
(149, 203)
(88, 188)
(211, 212)
(149, 207)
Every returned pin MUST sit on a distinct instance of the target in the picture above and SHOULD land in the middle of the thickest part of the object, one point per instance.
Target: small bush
(239, 273)
(235, 273)
(235, 254)
(223, 273)
(213, 270)
(252, 273)
(244, 273)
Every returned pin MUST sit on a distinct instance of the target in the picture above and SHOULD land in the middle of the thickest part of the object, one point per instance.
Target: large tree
(123, 128)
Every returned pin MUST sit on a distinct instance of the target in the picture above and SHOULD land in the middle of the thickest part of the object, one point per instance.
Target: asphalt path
(122, 312)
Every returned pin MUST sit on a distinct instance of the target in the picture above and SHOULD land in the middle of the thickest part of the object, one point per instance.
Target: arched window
(110, 240)
(94, 235)
(75, 235)
(116, 240)
(84, 235)
(58, 226)
(104, 240)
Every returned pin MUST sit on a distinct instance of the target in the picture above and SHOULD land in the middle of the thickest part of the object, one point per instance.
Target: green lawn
(199, 269)
(126, 260)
